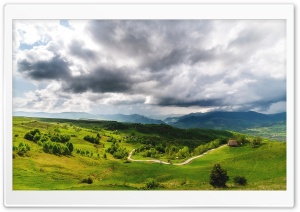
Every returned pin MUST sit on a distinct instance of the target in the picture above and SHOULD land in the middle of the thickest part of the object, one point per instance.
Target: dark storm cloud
(171, 101)
(56, 68)
(260, 95)
(270, 91)
(157, 45)
(202, 55)
(100, 80)
(188, 56)
(77, 48)
(176, 56)
(247, 37)
(128, 36)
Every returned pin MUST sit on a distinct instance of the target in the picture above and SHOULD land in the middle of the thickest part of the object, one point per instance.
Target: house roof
(232, 143)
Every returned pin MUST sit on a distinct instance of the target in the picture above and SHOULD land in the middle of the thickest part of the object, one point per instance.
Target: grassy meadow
(263, 167)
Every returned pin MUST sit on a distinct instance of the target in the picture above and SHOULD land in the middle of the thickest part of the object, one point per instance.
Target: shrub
(89, 180)
(151, 183)
(256, 142)
(91, 139)
(21, 149)
(54, 139)
(241, 139)
(70, 146)
(98, 136)
(36, 137)
(64, 138)
(60, 138)
(28, 136)
(31, 134)
(46, 147)
(218, 177)
(239, 180)
(44, 138)
(116, 151)
(58, 148)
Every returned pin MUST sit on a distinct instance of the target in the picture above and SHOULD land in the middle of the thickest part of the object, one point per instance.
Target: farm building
(232, 143)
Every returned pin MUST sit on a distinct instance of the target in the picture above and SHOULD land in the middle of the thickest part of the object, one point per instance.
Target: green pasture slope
(263, 167)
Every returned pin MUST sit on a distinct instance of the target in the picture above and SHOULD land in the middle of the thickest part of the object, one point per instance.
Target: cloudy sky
(150, 67)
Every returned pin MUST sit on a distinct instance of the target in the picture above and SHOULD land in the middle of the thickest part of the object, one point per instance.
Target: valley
(66, 154)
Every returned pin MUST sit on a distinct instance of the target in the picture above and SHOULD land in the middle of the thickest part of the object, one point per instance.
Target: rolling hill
(272, 126)
(36, 168)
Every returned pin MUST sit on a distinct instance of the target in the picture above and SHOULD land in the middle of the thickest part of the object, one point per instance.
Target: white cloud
(277, 107)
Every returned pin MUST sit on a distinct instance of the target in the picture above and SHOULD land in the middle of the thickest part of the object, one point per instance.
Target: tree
(70, 146)
(54, 139)
(64, 138)
(241, 139)
(98, 136)
(94, 140)
(218, 177)
(36, 137)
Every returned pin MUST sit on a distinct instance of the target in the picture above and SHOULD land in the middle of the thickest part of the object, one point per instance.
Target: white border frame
(147, 198)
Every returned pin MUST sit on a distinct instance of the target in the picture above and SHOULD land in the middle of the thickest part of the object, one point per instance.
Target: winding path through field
(176, 164)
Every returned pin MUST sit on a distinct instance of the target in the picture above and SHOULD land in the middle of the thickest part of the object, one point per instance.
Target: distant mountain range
(133, 118)
(215, 120)
(225, 120)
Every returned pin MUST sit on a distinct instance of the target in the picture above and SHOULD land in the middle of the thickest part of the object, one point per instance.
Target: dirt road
(176, 164)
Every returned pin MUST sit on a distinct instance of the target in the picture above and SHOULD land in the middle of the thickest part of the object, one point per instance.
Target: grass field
(263, 167)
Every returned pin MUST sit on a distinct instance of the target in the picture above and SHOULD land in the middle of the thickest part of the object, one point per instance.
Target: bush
(151, 183)
(21, 149)
(28, 136)
(116, 151)
(89, 180)
(54, 139)
(70, 146)
(36, 137)
(91, 139)
(256, 142)
(44, 138)
(218, 177)
(58, 148)
(241, 139)
(60, 138)
(33, 135)
(64, 138)
(238, 180)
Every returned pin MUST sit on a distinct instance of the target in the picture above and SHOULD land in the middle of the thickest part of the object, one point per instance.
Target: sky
(149, 67)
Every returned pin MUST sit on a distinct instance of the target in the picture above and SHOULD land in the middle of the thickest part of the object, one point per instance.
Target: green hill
(263, 167)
